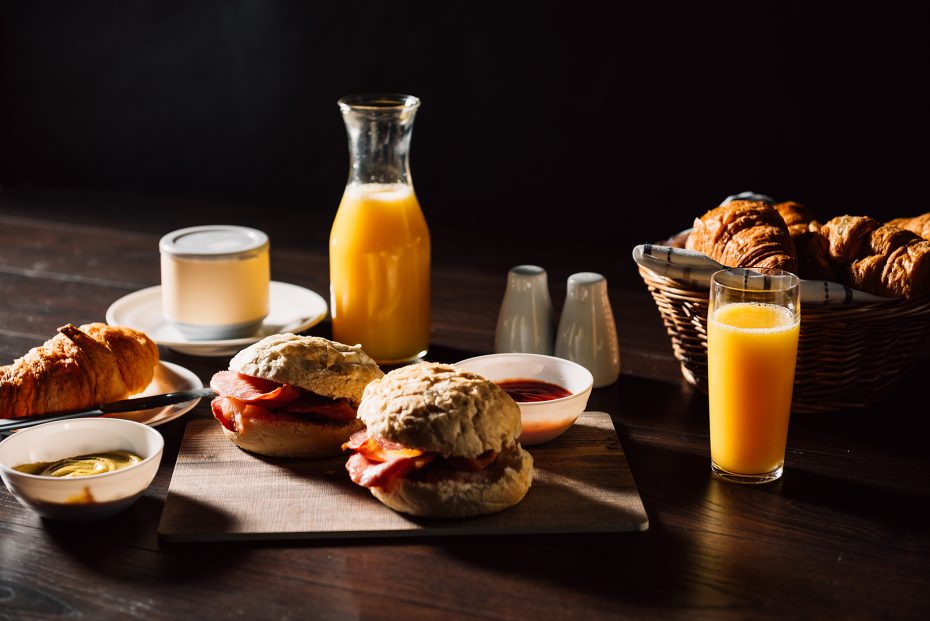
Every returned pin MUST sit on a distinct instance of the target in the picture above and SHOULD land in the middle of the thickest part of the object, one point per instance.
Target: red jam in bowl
(529, 390)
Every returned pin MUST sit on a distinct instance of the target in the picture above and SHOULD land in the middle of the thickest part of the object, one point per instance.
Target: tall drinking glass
(752, 345)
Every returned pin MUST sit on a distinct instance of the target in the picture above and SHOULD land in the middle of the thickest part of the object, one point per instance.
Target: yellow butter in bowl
(82, 465)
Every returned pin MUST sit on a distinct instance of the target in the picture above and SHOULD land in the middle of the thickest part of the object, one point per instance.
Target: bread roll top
(316, 364)
(440, 408)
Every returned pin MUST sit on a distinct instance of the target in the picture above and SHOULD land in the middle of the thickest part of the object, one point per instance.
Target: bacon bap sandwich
(440, 442)
(293, 396)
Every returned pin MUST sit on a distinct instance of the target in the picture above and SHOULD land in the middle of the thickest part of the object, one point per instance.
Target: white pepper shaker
(526, 323)
(587, 331)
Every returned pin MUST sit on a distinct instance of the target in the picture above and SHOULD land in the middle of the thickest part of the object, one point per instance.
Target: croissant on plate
(78, 368)
(744, 233)
(878, 258)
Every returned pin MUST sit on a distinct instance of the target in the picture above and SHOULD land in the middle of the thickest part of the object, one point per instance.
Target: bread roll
(325, 381)
(319, 365)
(441, 442)
(291, 436)
(442, 409)
(462, 494)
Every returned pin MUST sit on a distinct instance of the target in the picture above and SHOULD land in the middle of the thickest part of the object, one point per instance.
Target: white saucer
(292, 309)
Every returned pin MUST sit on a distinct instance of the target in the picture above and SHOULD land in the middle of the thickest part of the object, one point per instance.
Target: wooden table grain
(844, 535)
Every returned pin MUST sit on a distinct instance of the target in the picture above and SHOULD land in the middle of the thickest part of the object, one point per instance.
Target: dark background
(538, 119)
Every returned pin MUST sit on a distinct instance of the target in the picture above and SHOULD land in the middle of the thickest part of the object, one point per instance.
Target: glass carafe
(379, 246)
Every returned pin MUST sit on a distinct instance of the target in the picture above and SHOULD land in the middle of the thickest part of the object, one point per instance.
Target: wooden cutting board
(218, 492)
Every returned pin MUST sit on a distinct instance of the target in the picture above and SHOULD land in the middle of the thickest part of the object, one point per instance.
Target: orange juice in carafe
(379, 246)
(380, 272)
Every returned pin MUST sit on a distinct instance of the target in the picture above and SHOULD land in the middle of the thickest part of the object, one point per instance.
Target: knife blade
(125, 405)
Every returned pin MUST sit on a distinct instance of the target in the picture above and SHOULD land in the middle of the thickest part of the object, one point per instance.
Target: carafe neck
(379, 128)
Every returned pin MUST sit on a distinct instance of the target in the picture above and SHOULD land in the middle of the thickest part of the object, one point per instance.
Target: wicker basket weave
(846, 354)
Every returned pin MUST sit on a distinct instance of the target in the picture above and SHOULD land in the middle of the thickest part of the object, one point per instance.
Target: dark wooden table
(843, 535)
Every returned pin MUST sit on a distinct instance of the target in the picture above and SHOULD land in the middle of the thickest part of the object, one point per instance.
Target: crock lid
(212, 241)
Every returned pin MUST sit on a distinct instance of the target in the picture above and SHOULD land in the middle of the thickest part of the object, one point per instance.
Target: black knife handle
(155, 401)
(126, 405)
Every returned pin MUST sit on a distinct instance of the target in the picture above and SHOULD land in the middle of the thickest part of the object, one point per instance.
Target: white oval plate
(291, 309)
(169, 377)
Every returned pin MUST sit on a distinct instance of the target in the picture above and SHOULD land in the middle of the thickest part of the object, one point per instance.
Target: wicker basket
(847, 355)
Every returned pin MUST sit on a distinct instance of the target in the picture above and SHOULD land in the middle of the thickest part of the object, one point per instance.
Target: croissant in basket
(918, 224)
(878, 258)
(744, 233)
(76, 369)
(848, 354)
(812, 248)
(798, 218)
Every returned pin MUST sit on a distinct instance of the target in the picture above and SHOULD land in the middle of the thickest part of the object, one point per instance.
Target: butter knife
(114, 407)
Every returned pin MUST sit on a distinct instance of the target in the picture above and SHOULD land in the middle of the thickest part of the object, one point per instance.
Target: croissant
(866, 274)
(811, 247)
(797, 217)
(848, 237)
(907, 272)
(813, 256)
(918, 224)
(878, 258)
(744, 233)
(78, 368)
(887, 238)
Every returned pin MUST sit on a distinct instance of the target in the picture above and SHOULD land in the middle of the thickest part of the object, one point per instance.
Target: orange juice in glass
(752, 344)
(379, 245)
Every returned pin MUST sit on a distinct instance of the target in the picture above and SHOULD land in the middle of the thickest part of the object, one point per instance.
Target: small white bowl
(80, 498)
(542, 420)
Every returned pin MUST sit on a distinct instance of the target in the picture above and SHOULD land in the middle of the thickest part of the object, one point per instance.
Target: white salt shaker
(587, 331)
(525, 323)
